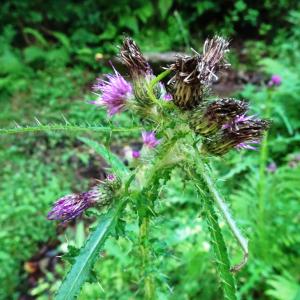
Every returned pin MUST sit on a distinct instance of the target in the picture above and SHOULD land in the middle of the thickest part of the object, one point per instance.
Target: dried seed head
(213, 59)
(140, 71)
(208, 119)
(239, 134)
(133, 58)
(194, 74)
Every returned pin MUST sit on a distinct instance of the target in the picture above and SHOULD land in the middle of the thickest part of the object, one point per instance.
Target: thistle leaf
(84, 262)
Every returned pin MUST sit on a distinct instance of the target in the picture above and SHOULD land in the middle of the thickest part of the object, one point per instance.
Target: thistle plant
(182, 126)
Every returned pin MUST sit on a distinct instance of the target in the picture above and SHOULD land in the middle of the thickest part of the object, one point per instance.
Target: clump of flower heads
(72, 206)
(223, 124)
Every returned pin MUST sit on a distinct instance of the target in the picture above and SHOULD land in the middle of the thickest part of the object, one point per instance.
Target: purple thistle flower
(115, 91)
(247, 145)
(237, 120)
(276, 80)
(111, 177)
(71, 206)
(135, 154)
(168, 97)
(272, 167)
(149, 139)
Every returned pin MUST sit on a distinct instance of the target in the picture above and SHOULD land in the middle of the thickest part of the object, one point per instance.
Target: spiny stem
(145, 202)
(149, 288)
(222, 206)
(217, 239)
(220, 250)
(62, 127)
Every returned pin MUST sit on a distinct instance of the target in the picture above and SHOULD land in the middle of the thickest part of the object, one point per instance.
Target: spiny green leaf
(84, 262)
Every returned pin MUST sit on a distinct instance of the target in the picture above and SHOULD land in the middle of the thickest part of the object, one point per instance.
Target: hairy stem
(149, 288)
(222, 206)
(217, 240)
(220, 250)
(160, 169)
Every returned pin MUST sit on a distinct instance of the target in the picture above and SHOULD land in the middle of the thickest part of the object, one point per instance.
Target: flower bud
(239, 134)
(208, 119)
(113, 182)
(149, 139)
(71, 206)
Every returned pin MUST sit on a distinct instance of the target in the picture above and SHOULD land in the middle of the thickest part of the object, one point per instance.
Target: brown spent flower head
(194, 74)
(239, 134)
(140, 71)
(208, 119)
(133, 58)
(213, 59)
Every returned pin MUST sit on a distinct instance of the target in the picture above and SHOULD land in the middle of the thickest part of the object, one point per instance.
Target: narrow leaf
(84, 262)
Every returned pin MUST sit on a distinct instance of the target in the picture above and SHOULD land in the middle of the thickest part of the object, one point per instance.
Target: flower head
(149, 139)
(241, 133)
(71, 206)
(272, 167)
(133, 58)
(275, 80)
(140, 71)
(209, 118)
(167, 97)
(112, 181)
(194, 74)
(115, 92)
(135, 154)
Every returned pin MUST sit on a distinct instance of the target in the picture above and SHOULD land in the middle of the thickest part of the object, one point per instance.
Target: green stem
(220, 250)
(149, 287)
(262, 178)
(151, 86)
(222, 206)
(218, 242)
(145, 198)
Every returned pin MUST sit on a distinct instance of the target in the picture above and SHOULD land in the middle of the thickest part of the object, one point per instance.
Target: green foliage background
(48, 62)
